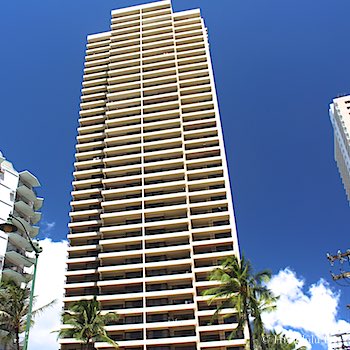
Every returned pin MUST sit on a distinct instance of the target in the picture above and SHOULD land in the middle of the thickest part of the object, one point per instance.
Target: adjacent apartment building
(339, 113)
(17, 197)
(151, 210)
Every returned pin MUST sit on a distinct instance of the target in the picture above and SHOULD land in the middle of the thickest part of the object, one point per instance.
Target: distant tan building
(152, 210)
(339, 112)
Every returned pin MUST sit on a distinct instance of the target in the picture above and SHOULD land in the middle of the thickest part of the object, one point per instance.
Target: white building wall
(8, 185)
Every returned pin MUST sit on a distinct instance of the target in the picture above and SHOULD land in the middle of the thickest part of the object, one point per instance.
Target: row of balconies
(152, 162)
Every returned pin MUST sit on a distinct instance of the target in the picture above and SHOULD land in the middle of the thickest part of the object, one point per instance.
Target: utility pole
(342, 258)
(343, 343)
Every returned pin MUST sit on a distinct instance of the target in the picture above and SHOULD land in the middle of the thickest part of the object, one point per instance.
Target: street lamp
(9, 227)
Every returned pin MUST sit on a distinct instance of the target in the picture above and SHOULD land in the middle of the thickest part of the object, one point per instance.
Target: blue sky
(277, 66)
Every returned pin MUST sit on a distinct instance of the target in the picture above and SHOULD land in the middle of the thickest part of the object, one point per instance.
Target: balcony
(18, 259)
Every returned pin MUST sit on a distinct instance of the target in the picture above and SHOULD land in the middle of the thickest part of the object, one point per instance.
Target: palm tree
(279, 341)
(239, 288)
(14, 307)
(87, 323)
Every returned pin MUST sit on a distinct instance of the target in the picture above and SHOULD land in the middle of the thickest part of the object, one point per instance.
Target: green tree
(14, 306)
(239, 288)
(87, 323)
(279, 341)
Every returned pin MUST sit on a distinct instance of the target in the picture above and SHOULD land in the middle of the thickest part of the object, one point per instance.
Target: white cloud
(308, 316)
(47, 227)
(49, 286)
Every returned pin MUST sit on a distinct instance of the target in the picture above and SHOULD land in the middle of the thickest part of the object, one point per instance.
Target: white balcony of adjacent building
(26, 209)
(32, 230)
(29, 195)
(28, 178)
(96, 162)
(10, 274)
(18, 259)
(19, 241)
(95, 137)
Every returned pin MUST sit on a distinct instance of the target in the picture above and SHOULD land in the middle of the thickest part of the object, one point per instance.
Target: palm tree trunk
(250, 331)
(17, 340)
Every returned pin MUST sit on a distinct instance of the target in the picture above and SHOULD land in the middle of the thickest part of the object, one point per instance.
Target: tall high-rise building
(339, 113)
(152, 210)
(19, 198)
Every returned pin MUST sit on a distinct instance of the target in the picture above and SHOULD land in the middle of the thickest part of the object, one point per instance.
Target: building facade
(151, 204)
(18, 197)
(339, 113)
